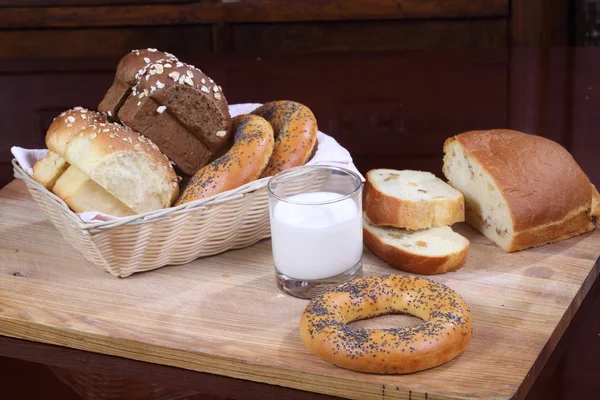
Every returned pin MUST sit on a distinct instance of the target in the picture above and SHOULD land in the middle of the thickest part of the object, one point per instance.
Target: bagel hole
(398, 320)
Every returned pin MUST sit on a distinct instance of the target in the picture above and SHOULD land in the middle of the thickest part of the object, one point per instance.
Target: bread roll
(520, 190)
(82, 194)
(429, 251)
(124, 163)
(411, 199)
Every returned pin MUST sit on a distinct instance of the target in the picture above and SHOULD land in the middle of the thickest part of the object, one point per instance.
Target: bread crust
(48, 169)
(444, 336)
(126, 78)
(384, 209)
(414, 263)
(548, 195)
(295, 130)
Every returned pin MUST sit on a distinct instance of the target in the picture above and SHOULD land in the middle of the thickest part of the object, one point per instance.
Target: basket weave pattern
(177, 235)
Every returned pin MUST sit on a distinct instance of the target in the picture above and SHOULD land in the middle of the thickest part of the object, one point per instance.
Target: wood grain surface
(224, 314)
(246, 11)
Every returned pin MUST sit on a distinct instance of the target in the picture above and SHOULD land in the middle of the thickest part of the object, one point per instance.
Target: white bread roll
(411, 199)
(429, 251)
(48, 169)
(520, 190)
(124, 163)
(83, 194)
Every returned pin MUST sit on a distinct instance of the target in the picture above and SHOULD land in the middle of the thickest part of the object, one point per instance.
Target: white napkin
(329, 152)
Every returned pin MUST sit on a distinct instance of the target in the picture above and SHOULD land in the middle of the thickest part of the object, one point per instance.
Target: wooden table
(224, 315)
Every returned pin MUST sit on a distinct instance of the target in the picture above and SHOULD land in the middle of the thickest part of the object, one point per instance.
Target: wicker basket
(177, 235)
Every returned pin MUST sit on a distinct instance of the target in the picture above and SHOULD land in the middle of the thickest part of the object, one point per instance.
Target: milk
(316, 241)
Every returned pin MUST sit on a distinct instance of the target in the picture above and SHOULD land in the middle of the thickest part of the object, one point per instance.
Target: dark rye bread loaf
(126, 78)
(175, 104)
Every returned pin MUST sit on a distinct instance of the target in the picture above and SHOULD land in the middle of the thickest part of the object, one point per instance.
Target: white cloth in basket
(329, 152)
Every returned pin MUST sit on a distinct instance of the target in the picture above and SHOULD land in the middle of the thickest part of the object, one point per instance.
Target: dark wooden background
(390, 79)
(55, 54)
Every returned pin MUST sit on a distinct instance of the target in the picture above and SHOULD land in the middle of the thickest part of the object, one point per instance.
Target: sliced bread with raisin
(520, 190)
(427, 252)
(411, 200)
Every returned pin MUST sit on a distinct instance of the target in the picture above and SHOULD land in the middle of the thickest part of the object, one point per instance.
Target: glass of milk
(316, 228)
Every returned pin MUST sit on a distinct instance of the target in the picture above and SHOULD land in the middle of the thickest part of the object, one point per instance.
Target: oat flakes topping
(218, 96)
(146, 60)
(189, 81)
(189, 73)
(161, 109)
(174, 75)
(159, 84)
(204, 89)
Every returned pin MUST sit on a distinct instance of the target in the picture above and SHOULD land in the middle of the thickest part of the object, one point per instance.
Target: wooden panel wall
(388, 110)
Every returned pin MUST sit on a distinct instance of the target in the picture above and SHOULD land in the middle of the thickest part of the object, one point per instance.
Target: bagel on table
(295, 129)
(444, 334)
(243, 163)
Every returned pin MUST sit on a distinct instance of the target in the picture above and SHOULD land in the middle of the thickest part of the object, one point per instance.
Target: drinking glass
(316, 228)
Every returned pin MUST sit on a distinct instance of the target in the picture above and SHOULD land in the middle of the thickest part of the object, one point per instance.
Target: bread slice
(411, 200)
(48, 169)
(520, 190)
(83, 194)
(427, 252)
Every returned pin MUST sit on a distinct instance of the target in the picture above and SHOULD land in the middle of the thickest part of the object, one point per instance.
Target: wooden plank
(540, 23)
(55, 3)
(248, 11)
(224, 314)
(368, 36)
(118, 373)
(185, 41)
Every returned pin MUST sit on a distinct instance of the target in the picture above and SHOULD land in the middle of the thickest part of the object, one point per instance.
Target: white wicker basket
(177, 235)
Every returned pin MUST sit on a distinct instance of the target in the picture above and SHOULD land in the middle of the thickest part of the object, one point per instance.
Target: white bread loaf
(411, 199)
(430, 251)
(520, 190)
(48, 169)
(124, 163)
(82, 194)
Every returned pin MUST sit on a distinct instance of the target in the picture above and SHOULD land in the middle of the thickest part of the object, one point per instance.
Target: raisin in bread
(430, 251)
(520, 190)
(411, 199)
